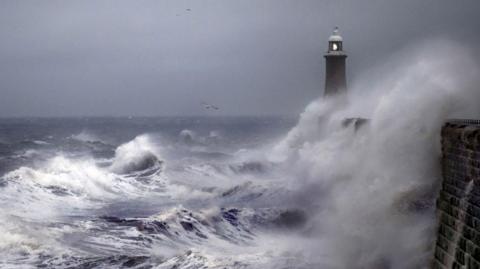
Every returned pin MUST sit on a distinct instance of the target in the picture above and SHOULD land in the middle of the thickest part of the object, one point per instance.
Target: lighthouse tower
(335, 76)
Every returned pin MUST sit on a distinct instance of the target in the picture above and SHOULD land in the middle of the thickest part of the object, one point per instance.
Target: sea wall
(458, 204)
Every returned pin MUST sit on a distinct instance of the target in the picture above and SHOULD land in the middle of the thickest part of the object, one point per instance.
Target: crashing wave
(136, 156)
(80, 177)
(234, 225)
(135, 164)
(187, 137)
(362, 176)
(85, 136)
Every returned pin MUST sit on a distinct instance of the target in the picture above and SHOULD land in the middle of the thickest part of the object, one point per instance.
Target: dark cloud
(62, 58)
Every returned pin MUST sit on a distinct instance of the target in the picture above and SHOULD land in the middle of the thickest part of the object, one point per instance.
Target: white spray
(373, 188)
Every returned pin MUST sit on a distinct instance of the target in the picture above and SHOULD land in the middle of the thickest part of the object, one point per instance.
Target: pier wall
(458, 204)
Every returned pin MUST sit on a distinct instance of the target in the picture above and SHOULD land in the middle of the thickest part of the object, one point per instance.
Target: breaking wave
(137, 155)
(370, 161)
(85, 136)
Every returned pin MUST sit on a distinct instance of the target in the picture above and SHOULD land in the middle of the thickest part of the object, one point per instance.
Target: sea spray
(137, 155)
(364, 184)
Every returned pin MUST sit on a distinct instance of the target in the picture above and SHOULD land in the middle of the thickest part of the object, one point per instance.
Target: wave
(133, 167)
(374, 184)
(61, 194)
(137, 155)
(190, 138)
(178, 226)
(75, 177)
(252, 167)
(85, 136)
(40, 142)
(34, 143)
(41, 195)
(187, 137)
(179, 235)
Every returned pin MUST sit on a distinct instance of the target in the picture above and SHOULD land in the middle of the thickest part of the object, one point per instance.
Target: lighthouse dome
(335, 36)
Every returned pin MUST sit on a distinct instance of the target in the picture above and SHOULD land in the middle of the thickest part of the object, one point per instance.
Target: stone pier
(458, 204)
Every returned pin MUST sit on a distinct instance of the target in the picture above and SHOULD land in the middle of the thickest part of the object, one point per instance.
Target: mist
(372, 187)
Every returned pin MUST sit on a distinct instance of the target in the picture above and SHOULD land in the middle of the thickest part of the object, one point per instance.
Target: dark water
(100, 136)
(141, 193)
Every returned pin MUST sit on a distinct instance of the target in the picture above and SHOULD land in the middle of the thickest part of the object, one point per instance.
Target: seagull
(188, 9)
(210, 106)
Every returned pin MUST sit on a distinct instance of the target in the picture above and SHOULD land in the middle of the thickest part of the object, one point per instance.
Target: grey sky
(64, 58)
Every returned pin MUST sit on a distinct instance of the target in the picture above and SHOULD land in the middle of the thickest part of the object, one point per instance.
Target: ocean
(171, 192)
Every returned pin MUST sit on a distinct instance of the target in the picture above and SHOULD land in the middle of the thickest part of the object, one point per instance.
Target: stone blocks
(458, 204)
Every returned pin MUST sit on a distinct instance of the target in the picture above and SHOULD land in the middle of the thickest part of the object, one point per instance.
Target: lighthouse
(335, 73)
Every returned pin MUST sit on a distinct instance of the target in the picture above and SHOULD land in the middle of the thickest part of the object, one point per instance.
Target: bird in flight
(210, 106)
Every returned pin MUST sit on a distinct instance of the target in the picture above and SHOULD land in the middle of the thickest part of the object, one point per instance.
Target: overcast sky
(154, 58)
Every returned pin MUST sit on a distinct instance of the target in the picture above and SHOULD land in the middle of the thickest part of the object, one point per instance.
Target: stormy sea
(350, 183)
(139, 192)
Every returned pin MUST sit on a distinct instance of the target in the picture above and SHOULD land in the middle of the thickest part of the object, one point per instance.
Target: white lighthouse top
(335, 36)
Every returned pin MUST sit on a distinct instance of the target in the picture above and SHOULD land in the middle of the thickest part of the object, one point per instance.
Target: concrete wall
(458, 205)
